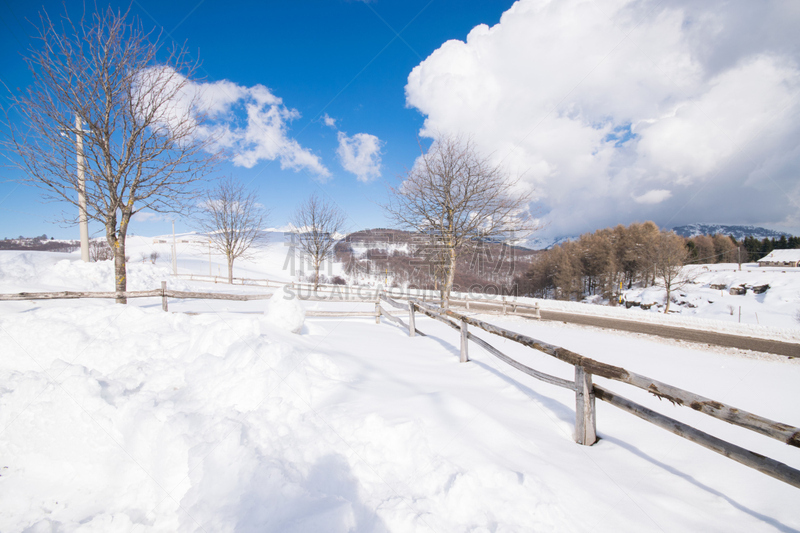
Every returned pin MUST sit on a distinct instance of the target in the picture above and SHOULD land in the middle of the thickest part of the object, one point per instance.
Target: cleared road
(671, 332)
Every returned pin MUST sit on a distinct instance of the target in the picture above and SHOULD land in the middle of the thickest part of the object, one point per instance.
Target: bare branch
(141, 122)
(459, 199)
(669, 257)
(317, 223)
(233, 220)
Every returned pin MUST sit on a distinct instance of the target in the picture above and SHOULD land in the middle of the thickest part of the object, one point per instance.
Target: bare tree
(99, 251)
(135, 115)
(457, 198)
(233, 219)
(670, 255)
(316, 224)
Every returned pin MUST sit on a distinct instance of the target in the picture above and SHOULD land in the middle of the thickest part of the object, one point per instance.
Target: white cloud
(329, 121)
(361, 155)
(250, 123)
(696, 102)
(150, 216)
(656, 196)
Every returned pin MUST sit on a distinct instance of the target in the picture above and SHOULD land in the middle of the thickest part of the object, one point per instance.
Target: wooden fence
(502, 304)
(164, 293)
(586, 392)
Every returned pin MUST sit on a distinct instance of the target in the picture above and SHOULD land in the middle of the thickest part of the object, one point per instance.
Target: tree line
(608, 261)
(598, 263)
(410, 260)
(757, 249)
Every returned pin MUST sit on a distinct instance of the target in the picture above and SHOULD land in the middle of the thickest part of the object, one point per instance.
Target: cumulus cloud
(329, 121)
(361, 155)
(150, 216)
(623, 110)
(250, 123)
(656, 196)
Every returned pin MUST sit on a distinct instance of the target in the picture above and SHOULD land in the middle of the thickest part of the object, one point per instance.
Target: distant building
(781, 258)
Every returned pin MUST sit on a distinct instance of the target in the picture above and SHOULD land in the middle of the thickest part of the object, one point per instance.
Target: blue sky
(607, 112)
(346, 59)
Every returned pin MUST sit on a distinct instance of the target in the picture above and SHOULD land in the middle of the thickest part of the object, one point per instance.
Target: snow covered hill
(126, 418)
(737, 231)
(772, 296)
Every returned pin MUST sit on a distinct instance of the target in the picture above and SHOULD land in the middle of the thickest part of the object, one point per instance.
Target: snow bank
(285, 312)
(164, 424)
(48, 271)
(117, 418)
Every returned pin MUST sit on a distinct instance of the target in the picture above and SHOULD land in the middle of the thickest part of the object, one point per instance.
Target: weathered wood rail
(170, 293)
(585, 368)
(164, 293)
(502, 303)
(586, 392)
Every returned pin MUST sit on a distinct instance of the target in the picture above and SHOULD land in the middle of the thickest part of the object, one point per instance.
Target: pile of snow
(285, 312)
(167, 423)
(52, 271)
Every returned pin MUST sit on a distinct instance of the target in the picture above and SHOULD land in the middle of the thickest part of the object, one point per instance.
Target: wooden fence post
(378, 312)
(504, 305)
(585, 423)
(164, 306)
(412, 327)
(464, 340)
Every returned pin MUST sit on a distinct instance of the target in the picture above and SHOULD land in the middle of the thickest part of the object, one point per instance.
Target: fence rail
(168, 293)
(586, 393)
(426, 294)
(585, 368)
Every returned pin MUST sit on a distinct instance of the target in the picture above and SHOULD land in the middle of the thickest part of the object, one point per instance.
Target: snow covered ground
(777, 306)
(126, 418)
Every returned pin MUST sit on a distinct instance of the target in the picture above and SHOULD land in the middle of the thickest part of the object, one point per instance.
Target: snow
(781, 256)
(769, 315)
(736, 231)
(52, 271)
(285, 312)
(126, 418)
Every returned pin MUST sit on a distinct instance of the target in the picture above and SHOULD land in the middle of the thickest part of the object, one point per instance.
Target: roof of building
(781, 256)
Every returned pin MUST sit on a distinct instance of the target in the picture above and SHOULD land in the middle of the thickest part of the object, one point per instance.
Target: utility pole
(174, 252)
(83, 223)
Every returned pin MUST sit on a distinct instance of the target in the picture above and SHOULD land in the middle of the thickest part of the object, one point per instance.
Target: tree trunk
(120, 273)
(116, 238)
(451, 274)
(667, 286)
(317, 265)
(230, 270)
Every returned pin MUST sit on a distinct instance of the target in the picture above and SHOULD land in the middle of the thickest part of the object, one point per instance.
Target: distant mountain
(39, 244)
(545, 243)
(738, 232)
